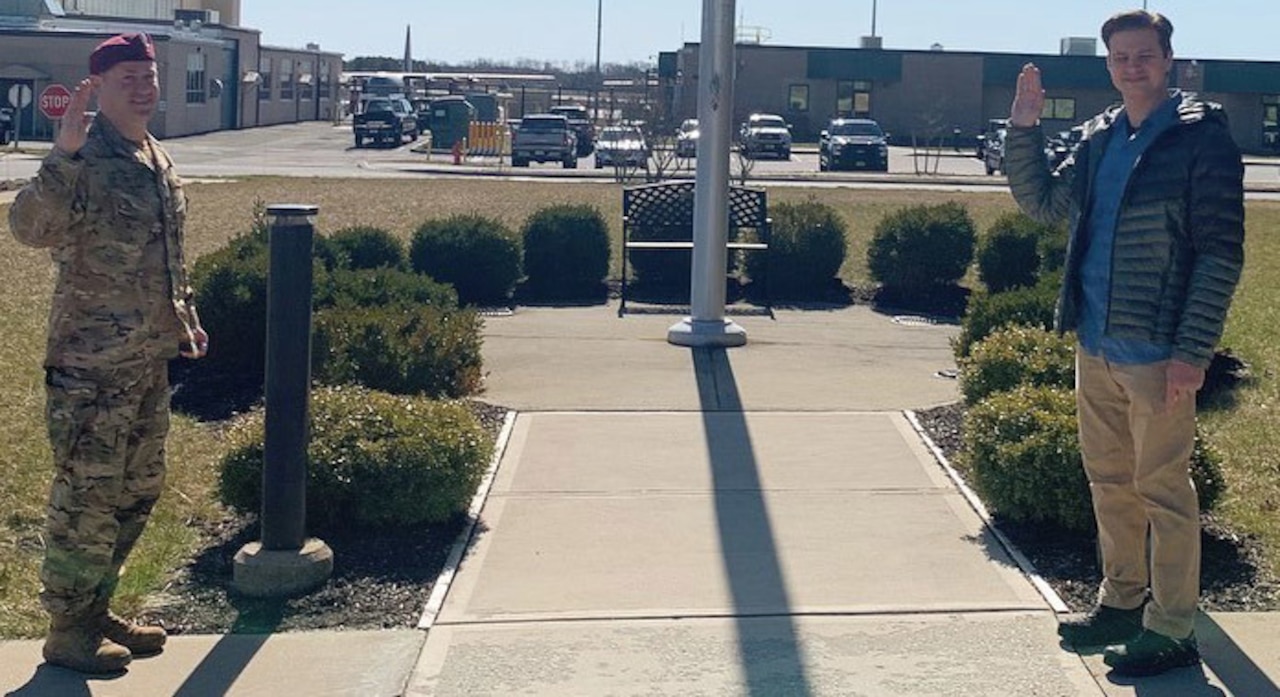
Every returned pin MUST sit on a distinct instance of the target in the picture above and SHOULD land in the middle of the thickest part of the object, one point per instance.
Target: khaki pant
(1137, 455)
(108, 432)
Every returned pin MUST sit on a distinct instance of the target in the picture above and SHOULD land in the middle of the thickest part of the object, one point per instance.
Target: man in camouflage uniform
(109, 206)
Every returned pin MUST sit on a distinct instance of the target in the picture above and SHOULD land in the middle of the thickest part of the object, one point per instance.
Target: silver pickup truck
(544, 138)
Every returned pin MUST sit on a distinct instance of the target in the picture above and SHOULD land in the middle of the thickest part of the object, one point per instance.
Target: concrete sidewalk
(664, 521)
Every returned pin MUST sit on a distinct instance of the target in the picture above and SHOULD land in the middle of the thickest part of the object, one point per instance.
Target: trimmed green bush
(1008, 255)
(1017, 355)
(368, 248)
(1022, 453)
(479, 256)
(403, 349)
(987, 312)
(918, 248)
(231, 293)
(382, 287)
(374, 460)
(806, 249)
(566, 252)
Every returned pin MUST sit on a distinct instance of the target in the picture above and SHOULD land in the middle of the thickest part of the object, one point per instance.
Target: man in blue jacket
(1154, 197)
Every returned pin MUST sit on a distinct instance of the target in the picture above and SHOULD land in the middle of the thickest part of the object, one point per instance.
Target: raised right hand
(1028, 98)
(73, 128)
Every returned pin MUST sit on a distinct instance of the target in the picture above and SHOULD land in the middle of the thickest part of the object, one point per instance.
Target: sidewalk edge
(1028, 569)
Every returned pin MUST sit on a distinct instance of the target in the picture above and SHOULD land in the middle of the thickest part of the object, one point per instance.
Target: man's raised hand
(73, 129)
(1028, 98)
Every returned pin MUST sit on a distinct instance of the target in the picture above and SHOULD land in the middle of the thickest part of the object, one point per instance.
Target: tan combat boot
(141, 641)
(80, 646)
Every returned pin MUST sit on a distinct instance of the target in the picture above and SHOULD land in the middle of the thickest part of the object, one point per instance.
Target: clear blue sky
(564, 31)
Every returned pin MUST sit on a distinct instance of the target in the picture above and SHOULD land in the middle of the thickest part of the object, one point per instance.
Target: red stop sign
(54, 101)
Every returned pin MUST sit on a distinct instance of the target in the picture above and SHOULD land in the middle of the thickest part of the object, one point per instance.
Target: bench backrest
(670, 204)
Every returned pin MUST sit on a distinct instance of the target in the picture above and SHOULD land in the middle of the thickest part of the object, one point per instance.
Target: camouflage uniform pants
(108, 431)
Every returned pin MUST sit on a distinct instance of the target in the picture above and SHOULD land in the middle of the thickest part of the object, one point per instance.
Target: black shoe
(1151, 653)
(1103, 626)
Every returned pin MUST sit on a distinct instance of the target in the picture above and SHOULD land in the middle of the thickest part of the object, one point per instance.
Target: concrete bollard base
(268, 573)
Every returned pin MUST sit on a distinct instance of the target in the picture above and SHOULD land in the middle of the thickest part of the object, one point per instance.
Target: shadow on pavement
(1234, 668)
(769, 653)
(51, 680)
(224, 663)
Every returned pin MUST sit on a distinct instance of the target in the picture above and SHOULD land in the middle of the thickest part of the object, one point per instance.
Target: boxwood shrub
(374, 460)
(566, 252)
(921, 247)
(1022, 453)
(479, 256)
(987, 312)
(364, 247)
(399, 348)
(806, 250)
(1017, 355)
(1008, 254)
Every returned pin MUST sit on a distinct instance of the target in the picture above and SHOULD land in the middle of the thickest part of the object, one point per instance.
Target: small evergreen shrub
(1008, 255)
(987, 312)
(231, 295)
(921, 247)
(1017, 355)
(1022, 453)
(479, 256)
(368, 248)
(374, 460)
(382, 287)
(403, 349)
(566, 252)
(807, 247)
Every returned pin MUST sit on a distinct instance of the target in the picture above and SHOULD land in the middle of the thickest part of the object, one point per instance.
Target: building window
(323, 88)
(798, 98)
(196, 93)
(1063, 108)
(306, 81)
(264, 69)
(286, 79)
(1271, 122)
(853, 98)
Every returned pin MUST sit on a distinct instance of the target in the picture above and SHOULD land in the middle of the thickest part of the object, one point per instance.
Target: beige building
(214, 74)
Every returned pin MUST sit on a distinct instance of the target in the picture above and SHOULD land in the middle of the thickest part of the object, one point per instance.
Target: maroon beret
(123, 47)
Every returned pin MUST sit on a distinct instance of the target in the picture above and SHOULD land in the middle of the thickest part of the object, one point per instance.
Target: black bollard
(288, 376)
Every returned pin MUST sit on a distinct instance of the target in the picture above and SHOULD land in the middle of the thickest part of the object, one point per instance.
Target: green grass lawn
(220, 210)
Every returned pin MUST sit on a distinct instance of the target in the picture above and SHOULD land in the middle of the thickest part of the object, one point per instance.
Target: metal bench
(667, 208)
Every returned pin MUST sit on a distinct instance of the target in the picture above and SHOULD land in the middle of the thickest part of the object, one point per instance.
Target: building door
(1271, 123)
(25, 119)
(231, 86)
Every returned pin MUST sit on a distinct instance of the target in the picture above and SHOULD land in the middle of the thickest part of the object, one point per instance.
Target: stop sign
(54, 101)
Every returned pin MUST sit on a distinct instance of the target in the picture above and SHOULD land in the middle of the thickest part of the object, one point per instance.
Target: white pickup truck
(544, 138)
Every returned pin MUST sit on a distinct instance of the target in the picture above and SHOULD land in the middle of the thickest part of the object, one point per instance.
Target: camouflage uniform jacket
(112, 216)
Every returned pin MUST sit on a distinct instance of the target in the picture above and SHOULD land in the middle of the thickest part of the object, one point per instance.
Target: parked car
(580, 122)
(765, 134)
(385, 120)
(544, 138)
(687, 139)
(993, 125)
(1062, 145)
(622, 146)
(993, 152)
(853, 144)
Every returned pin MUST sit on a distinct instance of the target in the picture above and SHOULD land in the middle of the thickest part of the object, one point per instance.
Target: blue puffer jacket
(1179, 244)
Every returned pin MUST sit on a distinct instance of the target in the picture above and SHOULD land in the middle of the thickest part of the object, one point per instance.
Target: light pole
(599, 77)
(873, 17)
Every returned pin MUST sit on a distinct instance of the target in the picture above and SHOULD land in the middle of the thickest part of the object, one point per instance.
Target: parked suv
(765, 134)
(687, 139)
(853, 144)
(622, 146)
(6, 126)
